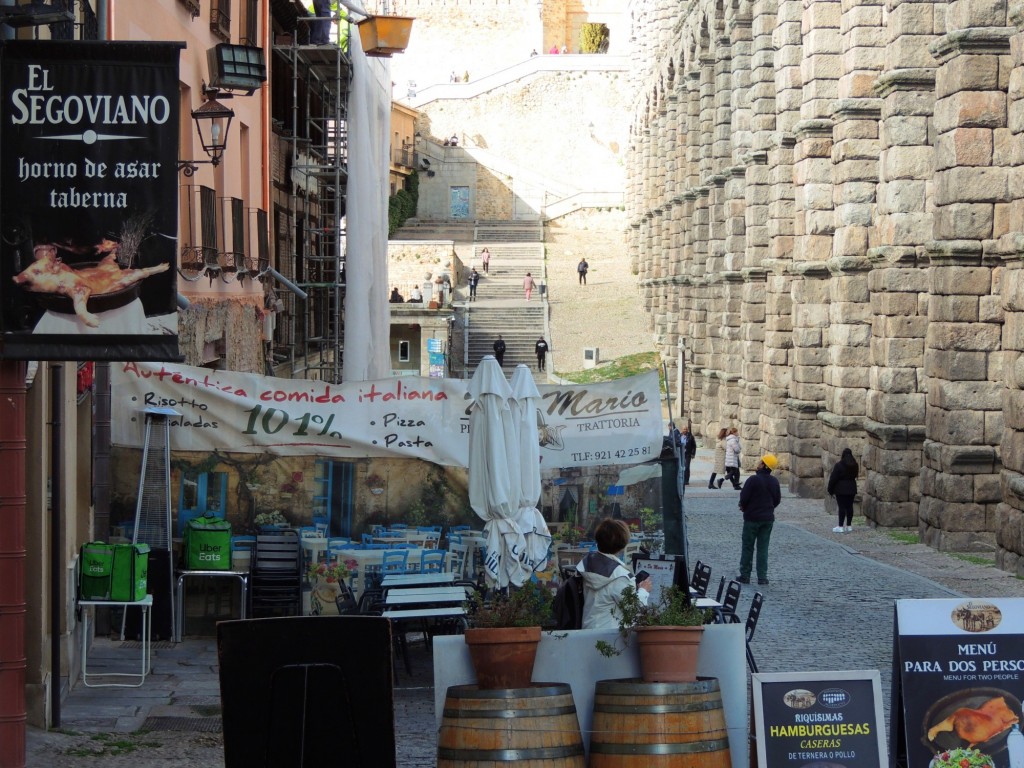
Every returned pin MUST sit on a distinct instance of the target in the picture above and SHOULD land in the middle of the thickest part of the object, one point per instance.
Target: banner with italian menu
(614, 422)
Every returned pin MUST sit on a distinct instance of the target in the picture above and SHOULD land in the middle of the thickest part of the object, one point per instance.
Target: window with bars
(208, 217)
(250, 23)
(220, 19)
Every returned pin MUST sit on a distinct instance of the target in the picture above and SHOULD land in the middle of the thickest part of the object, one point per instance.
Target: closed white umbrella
(493, 463)
(524, 403)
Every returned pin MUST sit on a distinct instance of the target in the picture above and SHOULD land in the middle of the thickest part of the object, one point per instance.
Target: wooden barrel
(648, 725)
(535, 726)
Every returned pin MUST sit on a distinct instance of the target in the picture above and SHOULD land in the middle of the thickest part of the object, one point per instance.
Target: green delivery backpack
(208, 544)
(95, 567)
(129, 577)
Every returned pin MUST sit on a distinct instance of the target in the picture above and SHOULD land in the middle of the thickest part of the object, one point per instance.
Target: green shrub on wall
(402, 205)
(594, 38)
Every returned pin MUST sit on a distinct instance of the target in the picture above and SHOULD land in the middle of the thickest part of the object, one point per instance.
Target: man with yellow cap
(759, 497)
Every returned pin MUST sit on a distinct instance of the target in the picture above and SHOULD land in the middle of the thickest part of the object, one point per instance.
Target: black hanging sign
(819, 719)
(88, 200)
(958, 681)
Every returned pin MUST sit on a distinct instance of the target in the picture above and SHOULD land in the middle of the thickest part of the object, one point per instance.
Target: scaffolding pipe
(287, 283)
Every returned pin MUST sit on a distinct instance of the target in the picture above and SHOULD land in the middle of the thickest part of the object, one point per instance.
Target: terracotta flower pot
(668, 654)
(503, 656)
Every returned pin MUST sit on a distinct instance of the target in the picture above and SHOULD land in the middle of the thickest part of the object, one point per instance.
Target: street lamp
(213, 121)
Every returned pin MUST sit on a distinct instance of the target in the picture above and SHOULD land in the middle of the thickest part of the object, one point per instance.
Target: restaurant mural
(89, 185)
(356, 489)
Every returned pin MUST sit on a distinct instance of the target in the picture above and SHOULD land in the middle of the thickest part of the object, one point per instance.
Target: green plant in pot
(503, 634)
(668, 631)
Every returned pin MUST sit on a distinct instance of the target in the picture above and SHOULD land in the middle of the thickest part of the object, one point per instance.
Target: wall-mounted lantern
(213, 121)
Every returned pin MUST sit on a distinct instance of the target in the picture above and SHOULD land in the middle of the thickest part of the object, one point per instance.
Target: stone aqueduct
(826, 215)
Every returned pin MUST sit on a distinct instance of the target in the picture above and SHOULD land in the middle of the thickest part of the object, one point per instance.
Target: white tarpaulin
(614, 422)
(524, 420)
(638, 473)
(494, 482)
(367, 315)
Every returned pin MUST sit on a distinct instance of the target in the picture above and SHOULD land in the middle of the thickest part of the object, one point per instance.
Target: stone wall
(825, 206)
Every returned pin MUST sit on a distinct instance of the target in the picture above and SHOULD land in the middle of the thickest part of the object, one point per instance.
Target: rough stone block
(953, 309)
(965, 395)
(849, 402)
(965, 14)
(971, 185)
(991, 309)
(822, 41)
(964, 146)
(890, 408)
(908, 163)
(1013, 331)
(903, 195)
(850, 241)
(964, 221)
(995, 423)
(955, 427)
(956, 365)
(893, 303)
(964, 336)
(912, 19)
(901, 353)
(894, 381)
(910, 51)
(904, 131)
(967, 73)
(970, 109)
(964, 281)
(953, 488)
(856, 192)
(889, 487)
(820, 15)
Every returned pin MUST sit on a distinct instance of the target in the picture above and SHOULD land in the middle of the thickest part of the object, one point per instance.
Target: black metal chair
(275, 584)
(752, 617)
(721, 590)
(730, 603)
(701, 578)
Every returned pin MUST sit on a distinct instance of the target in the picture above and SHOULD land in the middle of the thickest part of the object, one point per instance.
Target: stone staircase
(516, 248)
(520, 327)
(509, 264)
(417, 229)
(501, 308)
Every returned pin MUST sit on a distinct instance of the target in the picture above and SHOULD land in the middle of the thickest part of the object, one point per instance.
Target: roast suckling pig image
(49, 274)
(976, 726)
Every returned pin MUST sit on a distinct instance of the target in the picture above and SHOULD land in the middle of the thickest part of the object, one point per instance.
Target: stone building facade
(826, 211)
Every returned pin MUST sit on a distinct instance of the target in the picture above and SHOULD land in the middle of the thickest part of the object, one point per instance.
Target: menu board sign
(957, 681)
(819, 719)
(664, 570)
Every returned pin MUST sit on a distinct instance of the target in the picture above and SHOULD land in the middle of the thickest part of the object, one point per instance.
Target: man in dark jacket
(759, 497)
(499, 350)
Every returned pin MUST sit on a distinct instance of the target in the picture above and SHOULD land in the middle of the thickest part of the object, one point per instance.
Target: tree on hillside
(594, 38)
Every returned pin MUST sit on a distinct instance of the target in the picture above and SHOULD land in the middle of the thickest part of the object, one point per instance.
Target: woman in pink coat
(528, 285)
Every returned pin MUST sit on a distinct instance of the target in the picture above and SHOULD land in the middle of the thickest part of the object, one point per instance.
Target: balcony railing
(220, 19)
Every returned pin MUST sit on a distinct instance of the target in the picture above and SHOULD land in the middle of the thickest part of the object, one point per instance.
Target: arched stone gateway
(826, 207)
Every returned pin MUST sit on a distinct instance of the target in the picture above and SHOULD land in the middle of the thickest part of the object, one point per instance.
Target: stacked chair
(275, 582)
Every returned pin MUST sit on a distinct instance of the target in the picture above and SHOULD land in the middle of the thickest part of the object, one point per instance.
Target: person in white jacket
(732, 458)
(605, 576)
